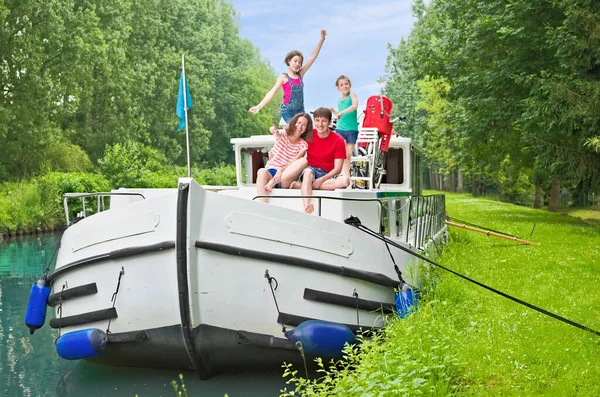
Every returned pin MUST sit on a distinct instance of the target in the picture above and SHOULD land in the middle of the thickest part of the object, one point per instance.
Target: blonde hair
(342, 77)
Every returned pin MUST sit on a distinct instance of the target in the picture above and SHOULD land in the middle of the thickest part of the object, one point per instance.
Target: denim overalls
(296, 103)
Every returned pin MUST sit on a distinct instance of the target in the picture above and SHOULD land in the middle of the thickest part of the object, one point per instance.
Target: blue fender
(35, 315)
(406, 302)
(322, 338)
(84, 343)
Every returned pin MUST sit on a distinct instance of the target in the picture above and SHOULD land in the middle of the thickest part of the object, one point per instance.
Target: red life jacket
(377, 114)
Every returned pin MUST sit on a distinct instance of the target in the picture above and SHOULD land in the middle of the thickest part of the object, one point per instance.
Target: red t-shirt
(322, 153)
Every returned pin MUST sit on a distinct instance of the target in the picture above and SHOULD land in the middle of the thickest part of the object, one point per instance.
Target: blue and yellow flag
(180, 103)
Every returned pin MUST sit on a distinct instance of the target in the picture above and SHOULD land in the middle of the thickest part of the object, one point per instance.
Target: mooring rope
(51, 259)
(114, 298)
(270, 280)
(355, 295)
(59, 311)
(356, 223)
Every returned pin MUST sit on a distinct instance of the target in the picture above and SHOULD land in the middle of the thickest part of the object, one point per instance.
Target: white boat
(208, 277)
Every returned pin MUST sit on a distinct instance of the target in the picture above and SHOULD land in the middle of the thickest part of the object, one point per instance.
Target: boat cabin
(403, 168)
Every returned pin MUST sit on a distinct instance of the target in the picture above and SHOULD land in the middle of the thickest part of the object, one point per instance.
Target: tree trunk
(554, 195)
(538, 199)
(428, 180)
(474, 186)
(459, 182)
(433, 179)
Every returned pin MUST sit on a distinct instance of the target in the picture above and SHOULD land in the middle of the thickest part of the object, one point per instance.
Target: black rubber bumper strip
(116, 254)
(347, 301)
(376, 278)
(265, 341)
(72, 293)
(85, 318)
(294, 320)
(182, 283)
(128, 337)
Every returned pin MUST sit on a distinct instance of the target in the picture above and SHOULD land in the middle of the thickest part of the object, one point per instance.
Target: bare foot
(309, 209)
(295, 185)
(269, 186)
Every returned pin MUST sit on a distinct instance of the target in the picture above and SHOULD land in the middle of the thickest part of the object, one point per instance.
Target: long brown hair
(291, 128)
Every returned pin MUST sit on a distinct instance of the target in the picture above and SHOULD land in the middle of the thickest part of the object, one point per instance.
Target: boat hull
(191, 279)
(219, 350)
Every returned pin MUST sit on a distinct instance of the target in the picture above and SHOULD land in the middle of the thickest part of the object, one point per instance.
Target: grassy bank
(465, 340)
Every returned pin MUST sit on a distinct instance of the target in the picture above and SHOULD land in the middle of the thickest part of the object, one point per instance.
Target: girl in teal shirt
(347, 124)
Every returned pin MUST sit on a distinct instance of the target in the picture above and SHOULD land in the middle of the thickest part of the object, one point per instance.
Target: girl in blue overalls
(291, 83)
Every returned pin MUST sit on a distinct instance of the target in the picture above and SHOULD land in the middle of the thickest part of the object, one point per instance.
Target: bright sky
(356, 43)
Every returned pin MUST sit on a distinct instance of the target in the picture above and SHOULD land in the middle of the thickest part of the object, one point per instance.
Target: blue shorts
(273, 171)
(317, 172)
(349, 136)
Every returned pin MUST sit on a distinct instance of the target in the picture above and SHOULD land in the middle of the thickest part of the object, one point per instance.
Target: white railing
(100, 205)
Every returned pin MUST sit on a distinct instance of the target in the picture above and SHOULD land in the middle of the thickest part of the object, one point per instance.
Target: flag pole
(185, 108)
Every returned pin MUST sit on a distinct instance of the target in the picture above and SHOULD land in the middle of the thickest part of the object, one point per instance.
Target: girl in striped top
(290, 145)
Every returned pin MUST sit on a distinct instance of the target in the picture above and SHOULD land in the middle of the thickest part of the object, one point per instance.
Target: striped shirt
(284, 152)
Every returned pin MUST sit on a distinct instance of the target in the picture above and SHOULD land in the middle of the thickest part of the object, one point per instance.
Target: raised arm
(276, 132)
(268, 96)
(314, 54)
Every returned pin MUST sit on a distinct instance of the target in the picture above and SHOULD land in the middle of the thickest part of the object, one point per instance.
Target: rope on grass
(356, 223)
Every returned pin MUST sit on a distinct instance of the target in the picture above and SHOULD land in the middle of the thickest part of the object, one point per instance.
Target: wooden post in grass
(490, 233)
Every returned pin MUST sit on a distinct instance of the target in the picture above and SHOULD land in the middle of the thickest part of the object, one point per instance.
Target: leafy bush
(133, 165)
(63, 156)
(514, 183)
(402, 360)
(53, 185)
(221, 175)
(20, 207)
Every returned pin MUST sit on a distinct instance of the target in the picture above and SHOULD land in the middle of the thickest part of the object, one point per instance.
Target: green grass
(465, 340)
(588, 214)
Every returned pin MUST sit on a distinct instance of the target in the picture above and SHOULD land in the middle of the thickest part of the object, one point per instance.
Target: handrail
(426, 214)
(426, 218)
(98, 195)
(328, 198)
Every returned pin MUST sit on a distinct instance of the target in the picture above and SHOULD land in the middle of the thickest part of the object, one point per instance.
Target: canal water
(30, 366)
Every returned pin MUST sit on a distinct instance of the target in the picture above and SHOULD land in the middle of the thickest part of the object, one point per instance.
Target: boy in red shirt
(326, 155)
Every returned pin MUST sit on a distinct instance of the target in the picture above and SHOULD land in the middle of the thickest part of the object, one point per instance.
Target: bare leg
(262, 177)
(270, 185)
(341, 182)
(346, 168)
(292, 172)
(307, 181)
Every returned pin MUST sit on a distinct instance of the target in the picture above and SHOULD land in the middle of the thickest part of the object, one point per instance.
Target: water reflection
(30, 366)
(88, 379)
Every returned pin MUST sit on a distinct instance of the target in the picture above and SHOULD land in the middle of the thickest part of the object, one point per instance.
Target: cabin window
(253, 159)
(394, 165)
